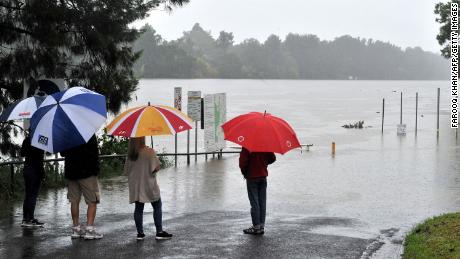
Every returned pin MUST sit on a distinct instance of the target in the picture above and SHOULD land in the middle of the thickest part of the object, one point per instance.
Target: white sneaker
(27, 224)
(91, 233)
(77, 232)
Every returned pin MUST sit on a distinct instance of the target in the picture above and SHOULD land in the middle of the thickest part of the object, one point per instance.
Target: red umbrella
(261, 132)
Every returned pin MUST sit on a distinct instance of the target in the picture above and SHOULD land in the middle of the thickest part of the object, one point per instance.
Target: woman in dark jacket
(254, 169)
(33, 175)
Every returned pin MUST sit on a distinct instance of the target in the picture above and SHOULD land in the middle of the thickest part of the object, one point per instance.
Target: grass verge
(438, 237)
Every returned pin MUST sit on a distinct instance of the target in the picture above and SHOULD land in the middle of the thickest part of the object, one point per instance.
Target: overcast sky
(406, 23)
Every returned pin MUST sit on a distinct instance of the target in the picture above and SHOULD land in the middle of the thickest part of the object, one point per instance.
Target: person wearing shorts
(81, 170)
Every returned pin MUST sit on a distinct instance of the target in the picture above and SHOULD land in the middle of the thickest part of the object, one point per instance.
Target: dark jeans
(139, 216)
(32, 181)
(257, 193)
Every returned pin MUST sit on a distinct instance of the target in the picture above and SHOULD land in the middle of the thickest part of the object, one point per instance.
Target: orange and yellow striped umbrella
(149, 120)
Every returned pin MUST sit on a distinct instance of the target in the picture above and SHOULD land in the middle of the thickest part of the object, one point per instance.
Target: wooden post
(12, 178)
(416, 112)
(56, 168)
(383, 112)
(333, 148)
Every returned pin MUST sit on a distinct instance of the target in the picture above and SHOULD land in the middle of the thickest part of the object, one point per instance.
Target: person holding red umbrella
(254, 169)
(260, 135)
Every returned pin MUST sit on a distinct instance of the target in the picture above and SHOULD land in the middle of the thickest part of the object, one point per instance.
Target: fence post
(12, 178)
(188, 147)
(175, 150)
(56, 168)
(196, 140)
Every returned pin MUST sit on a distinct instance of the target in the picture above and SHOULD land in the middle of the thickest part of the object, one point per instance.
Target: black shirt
(82, 161)
(33, 156)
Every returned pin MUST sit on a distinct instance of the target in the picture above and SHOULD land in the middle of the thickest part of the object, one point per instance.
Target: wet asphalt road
(205, 206)
(211, 234)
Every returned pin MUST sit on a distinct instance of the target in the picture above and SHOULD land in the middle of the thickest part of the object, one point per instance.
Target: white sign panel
(194, 105)
(401, 129)
(178, 98)
(215, 114)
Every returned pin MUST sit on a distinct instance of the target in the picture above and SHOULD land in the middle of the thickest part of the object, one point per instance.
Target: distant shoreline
(292, 79)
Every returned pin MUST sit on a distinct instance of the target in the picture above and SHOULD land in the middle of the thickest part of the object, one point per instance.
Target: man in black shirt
(81, 170)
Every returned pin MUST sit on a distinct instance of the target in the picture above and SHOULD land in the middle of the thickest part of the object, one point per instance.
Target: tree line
(198, 55)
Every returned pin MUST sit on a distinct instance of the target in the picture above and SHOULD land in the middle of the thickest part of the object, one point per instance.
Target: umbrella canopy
(261, 132)
(46, 87)
(22, 109)
(149, 120)
(67, 119)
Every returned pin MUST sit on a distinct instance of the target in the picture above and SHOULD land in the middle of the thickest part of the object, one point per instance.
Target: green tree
(162, 59)
(225, 40)
(198, 42)
(198, 55)
(87, 42)
(443, 12)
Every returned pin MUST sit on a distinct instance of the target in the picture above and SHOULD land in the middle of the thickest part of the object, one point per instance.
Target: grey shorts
(89, 187)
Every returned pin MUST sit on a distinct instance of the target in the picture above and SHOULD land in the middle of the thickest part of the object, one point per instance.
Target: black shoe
(140, 236)
(163, 235)
(37, 223)
(253, 231)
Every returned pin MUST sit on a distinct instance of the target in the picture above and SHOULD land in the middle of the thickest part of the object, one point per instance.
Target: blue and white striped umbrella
(22, 109)
(67, 119)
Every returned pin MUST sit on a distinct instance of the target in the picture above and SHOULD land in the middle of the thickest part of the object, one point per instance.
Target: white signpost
(215, 114)
(194, 112)
(178, 98)
(401, 129)
(177, 105)
(194, 105)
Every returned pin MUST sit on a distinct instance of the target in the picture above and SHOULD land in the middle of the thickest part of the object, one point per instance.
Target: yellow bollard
(333, 148)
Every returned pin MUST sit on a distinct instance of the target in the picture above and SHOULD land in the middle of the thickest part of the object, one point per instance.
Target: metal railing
(219, 154)
(13, 163)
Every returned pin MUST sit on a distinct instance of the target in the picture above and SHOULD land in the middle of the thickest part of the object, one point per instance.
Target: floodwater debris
(356, 125)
